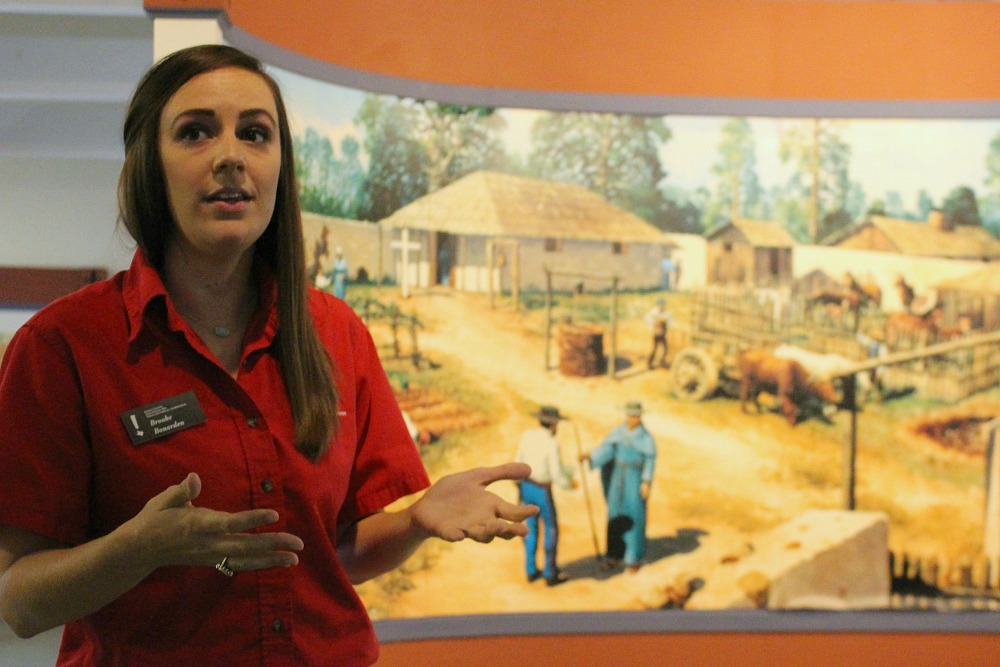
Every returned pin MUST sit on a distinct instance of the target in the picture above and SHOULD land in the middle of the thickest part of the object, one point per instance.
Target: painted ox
(827, 365)
(787, 379)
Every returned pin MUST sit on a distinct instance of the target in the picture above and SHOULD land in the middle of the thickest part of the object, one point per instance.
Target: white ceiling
(67, 70)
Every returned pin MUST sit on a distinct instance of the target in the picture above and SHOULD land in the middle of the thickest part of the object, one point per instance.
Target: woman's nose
(229, 155)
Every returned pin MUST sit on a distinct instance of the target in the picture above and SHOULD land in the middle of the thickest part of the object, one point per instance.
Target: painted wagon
(725, 321)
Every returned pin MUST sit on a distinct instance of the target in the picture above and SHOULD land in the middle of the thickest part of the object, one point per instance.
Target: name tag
(162, 418)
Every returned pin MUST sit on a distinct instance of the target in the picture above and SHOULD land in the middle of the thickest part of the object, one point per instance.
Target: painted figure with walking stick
(626, 458)
(540, 450)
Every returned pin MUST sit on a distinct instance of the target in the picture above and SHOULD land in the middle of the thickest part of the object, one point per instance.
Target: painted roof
(493, 204)
(984, 281)
(911, 237)
(759, 233)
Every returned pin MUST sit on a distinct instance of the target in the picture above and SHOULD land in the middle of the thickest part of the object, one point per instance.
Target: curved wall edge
(642, 622)
(600, 103)
(886, 50)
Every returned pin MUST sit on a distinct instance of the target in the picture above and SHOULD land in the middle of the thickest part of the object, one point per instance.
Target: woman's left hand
(458, 506)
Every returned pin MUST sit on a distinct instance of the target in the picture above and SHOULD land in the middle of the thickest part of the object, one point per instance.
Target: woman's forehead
(230, 88)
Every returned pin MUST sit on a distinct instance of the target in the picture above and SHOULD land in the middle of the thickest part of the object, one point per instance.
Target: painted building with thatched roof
(508, 229)
(934, 238)
(750, 252)
(975, 296)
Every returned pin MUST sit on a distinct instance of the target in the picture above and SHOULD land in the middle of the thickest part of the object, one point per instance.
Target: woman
(197, 452)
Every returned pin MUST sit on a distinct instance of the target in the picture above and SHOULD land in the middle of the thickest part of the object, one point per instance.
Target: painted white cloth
(540, 450)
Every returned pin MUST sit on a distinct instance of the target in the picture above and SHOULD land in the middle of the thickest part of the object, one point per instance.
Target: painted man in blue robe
(627, 459)
(338, 274)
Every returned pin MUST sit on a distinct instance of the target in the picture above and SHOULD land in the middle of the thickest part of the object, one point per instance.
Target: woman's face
(221, 157)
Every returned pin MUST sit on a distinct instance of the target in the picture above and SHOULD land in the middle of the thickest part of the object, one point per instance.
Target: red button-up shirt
(69, 471)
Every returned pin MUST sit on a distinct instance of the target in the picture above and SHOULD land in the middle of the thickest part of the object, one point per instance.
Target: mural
(797, 317)
(766, 349)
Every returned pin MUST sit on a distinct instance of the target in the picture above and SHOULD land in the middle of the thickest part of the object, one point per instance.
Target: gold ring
(223, 568)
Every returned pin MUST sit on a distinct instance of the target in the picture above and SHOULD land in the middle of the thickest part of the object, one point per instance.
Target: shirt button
(252, 422)
(277, 625)
(267, 485)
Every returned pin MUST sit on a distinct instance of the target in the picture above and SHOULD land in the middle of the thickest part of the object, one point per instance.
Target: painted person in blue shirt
(338, 274)
(627, 459)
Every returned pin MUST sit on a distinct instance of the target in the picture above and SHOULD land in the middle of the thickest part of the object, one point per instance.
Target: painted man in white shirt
(540, 450)
(658, 319)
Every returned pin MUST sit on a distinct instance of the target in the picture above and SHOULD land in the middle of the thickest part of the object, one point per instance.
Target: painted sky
(903, 156)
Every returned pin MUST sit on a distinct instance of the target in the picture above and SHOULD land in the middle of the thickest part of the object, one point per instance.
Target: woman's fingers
(225, 534)
(512, 512)
(178, 495)
(178, 533)
(257, 551)
(489, 530)
(240, 522)
(510, 471)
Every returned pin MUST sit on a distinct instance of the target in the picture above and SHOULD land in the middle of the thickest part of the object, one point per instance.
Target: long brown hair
(144, 211)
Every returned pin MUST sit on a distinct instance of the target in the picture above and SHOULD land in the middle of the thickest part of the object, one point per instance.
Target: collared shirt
(69, 471)
(658, 319)
(540, 450)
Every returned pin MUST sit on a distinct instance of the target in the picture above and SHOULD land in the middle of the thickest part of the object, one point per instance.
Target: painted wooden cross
(405, 246)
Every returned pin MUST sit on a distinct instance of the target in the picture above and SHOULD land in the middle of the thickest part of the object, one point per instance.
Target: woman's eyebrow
(209, 113)
(249, 113)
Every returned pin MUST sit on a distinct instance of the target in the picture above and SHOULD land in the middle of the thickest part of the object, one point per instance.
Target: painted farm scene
(804, 313)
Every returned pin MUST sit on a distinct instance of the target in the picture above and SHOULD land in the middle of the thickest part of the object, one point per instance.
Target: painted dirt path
(736, 461)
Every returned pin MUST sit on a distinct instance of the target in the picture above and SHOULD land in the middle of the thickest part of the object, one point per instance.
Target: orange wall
(702, 650)
(775, 49)
(786, 49)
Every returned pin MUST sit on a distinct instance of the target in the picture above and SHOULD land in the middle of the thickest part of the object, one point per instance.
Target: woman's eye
(256, 134)
(192, 133)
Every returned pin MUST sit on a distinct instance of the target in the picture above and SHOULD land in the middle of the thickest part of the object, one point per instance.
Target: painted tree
(791, 211)
(327, 184)
(457, 139)
(857, 200)
(738, 191)
(397, 163)
(614, 155)
(990, 205)
(925, 204)
(992, 180)
(417, 146)
(821, 162)
(894, 206)
(961, 208)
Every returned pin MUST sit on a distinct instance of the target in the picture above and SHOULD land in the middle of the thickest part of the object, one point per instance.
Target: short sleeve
(44, 450)
(387, 465)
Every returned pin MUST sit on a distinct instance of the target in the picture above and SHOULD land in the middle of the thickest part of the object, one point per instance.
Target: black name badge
(160, 419)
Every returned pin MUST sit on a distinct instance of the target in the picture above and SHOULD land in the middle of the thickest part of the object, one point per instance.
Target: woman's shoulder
(91, 305)
(333, 314)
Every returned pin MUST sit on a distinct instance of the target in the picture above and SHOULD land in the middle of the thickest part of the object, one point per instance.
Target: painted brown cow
(787, 379)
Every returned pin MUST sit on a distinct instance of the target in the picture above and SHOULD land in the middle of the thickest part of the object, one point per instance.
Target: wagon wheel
(695, 373)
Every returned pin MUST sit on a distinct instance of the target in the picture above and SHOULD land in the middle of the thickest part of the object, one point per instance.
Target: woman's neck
(219, 295)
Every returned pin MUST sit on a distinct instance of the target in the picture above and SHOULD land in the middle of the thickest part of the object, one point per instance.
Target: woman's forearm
(378, 543)
(53, 586)
(455, 508)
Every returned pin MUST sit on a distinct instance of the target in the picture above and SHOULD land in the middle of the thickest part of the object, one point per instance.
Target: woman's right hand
(170, 530)
(44, 584)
